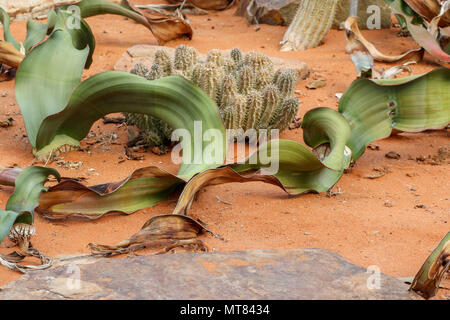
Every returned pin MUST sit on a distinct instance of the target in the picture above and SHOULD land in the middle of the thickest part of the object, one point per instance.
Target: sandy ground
(357, 223)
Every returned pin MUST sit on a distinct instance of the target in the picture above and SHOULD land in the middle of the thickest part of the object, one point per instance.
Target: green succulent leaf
(82, 35)
(7, 219)
(324, 125)
(36, 32)
(299, 169)
(7, 35)
(144, 188)
(427, 280)
(412, 104)
(47, 77)
(172, 99)
(20, 206)
(91, 8)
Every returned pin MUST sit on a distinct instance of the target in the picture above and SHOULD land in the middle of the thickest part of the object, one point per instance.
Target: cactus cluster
(249, 93)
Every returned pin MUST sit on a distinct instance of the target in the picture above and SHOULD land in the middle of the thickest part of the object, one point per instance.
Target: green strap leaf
(20, 206)
(36, 32)
(144, 188)
(172, 99)
(299, 169)
(322, 125)
(7, 35)
(46, 79)
(91, 8)
(80, 32)
(7, 219)
(374, 107)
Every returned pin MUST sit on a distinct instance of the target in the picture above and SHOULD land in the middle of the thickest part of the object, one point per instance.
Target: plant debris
(131, 155)
(356, 42)
(20, 235)
(316, 84)
(117, 120)
(6, 123)
(167, 231)
(442, 157)
(71, 165)
(381, 172)
(392, 155)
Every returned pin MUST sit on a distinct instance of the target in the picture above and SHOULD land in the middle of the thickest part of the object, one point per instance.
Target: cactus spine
(163, 59)
(184, 59)
(209, 78)
(287, 111)
(228, 91)
(254, 110)
(286, 83)
(154, 73)
(246, 80)
(216, 57)
(270, 102)
(139, 69)
(236, 56)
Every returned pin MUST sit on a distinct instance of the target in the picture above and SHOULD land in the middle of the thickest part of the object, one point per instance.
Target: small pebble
(388, 204)
(392, 155)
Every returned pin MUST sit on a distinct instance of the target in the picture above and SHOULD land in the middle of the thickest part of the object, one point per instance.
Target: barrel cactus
(248, 91)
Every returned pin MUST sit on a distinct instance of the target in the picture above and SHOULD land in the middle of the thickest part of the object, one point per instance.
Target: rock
(19, 10)
(282, 12)
(253, 274)
(145, 54)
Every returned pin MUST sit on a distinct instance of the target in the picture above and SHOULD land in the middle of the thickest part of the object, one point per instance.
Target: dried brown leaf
(167, 231)
(164, 27)
(357, 42)
(10, 55)
(215, 177)
(428, 9)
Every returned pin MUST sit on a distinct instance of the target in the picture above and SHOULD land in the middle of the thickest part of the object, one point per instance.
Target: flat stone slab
(253, 274)
(145, 54)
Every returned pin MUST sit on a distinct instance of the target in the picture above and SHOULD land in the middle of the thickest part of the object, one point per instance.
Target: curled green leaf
(172, 99)
(324, 125)
(36, 32)
(412, 104)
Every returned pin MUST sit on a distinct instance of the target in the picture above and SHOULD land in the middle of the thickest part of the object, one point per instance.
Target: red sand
(356, 223)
